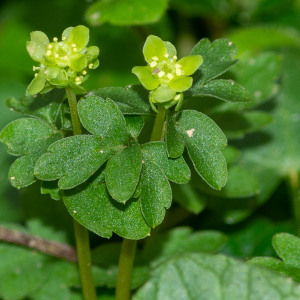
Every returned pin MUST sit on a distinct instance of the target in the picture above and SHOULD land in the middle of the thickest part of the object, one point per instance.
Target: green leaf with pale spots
(122, 172)
(174, 139)
(214, 277)
(226, 90)
(65, 157)
(28, 138)
(51, 107)
(91, 205)
(132, 100)
(218, 57)
(127, 12)
(135, 125)
(103, 119)
(175, 169)
(155, 193)
(204, 141)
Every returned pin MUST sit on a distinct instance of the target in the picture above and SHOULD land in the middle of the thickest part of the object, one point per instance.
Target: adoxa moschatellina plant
(109, 181)
(165, 76)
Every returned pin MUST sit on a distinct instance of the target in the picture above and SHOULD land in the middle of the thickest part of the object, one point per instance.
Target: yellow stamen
(48, 53)
(74, 49)
(155, 58)
(153, 64)
(36, 74)
(91, 66)
(84, 72)
(56, 55)
(166, 55)
(50, 46)
(55, 39)
(178, 72)
(161, 74)
(170, 76)
(177, 66)
(64, 38)
(175, 57)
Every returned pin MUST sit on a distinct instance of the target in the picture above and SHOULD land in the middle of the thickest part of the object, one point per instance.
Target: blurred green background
(119, 28)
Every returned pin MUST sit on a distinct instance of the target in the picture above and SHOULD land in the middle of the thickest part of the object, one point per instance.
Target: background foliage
(263, 154)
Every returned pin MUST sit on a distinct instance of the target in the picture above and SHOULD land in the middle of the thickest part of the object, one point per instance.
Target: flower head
(165, 76)
(61, 63)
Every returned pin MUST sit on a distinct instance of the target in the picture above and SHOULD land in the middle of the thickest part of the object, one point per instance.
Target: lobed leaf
(176, 170)
(155, 193)
(103, 119)
(226, 90)
(122, 172)
(174, 139)
(135, 125)
(28, 138)
(132, 100)
(204, 140)
(91, 205)
(50, 107)
(218, 57)
(73, 160)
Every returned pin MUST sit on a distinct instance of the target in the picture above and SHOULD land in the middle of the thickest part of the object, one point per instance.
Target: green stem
(81, 233)
(125, 269)
(293, 180)
(129, 246)
(73, 110)
(158, 127)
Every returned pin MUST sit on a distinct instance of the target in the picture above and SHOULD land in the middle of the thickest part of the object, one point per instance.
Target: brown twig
(49, 247)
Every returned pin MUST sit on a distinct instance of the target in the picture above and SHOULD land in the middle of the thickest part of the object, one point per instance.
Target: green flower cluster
(62, 63)
(165, 76)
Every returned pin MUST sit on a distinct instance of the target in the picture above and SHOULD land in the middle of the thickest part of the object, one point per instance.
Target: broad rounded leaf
(91, 205)
(215, 277)
(122, 172)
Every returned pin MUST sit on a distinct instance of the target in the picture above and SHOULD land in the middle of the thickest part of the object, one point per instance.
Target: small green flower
(62, 63)
(165, 76)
